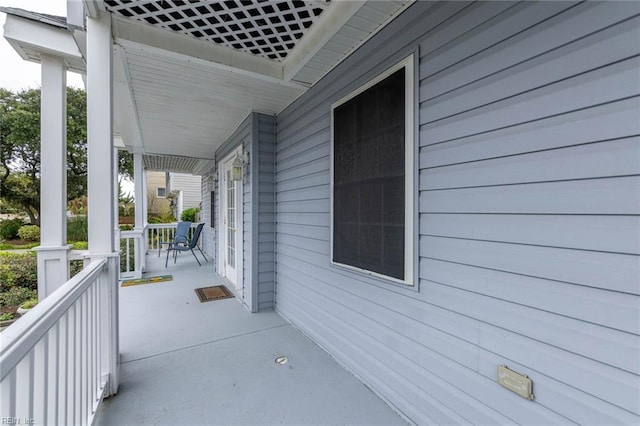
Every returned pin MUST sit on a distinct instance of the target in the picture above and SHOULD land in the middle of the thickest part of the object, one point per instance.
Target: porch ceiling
(188, 73)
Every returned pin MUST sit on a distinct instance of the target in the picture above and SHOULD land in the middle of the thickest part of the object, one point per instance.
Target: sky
(16, 73)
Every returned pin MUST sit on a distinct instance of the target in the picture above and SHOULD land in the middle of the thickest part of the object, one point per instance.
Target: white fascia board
(161, 38)
(125, 113)
(26, 35)
(331, 21)
(80, 36)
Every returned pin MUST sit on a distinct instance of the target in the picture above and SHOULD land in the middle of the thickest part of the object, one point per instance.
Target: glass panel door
(231, 220)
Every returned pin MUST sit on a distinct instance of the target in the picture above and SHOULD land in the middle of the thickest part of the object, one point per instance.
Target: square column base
(53, 268)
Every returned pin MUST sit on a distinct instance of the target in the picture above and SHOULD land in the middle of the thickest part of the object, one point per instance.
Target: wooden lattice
(269, 29)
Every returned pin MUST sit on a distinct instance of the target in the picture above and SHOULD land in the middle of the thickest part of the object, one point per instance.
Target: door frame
(223, 166)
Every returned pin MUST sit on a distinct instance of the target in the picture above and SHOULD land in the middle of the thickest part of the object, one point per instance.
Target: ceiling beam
(143, 33)
(133, 46)
(126, 118)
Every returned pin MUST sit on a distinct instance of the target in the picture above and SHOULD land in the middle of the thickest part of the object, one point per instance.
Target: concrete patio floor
(191, 363)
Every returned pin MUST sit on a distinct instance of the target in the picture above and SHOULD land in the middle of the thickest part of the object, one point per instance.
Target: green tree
(20, 149)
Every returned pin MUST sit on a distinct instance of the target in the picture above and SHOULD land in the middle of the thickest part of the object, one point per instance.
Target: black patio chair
(175, 248)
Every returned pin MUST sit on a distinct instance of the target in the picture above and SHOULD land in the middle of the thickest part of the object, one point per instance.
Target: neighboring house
(157, 201)
(184, 192)
(172, 192)
(428, 190)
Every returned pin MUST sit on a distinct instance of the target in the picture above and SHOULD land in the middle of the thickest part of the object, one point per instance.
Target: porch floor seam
(205, 343)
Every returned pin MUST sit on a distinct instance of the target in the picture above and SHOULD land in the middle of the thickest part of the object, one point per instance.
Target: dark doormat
(217, 292)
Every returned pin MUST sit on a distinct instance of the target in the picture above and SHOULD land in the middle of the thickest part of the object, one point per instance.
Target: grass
(75, 245)
(8, 246)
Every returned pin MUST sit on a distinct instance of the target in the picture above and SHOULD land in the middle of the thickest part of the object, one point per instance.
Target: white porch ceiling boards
(187, 106)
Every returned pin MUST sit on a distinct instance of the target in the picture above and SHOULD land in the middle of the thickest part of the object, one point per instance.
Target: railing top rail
(162, 225)
(17, 340)
(131, 233)
(168, 225)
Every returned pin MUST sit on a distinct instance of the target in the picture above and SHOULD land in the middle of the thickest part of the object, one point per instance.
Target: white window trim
(409, 244)
(158, 192)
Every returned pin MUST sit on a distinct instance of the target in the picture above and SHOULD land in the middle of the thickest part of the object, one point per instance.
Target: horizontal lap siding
(263, 262)
(257, 133)
(529, 207)
(208, 232)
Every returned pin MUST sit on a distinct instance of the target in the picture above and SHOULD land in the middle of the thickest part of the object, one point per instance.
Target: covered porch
(186, 362)
(174, 100)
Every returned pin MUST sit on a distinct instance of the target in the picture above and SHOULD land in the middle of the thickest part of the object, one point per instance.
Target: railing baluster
(92, 369)
(63, 375)
(128, 263)
(8, 400)
(84, 341)
(53, 373)
(41, 379)
(24, 382)
(77, 365)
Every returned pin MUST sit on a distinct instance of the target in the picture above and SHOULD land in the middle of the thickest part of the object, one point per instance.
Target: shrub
(18, 270)
(29, 303)
(29, 233)
(16, 296)
(77, 229)
(80, 245)
(75, 266)
(189, 215)
(9, 228)
(166, 217)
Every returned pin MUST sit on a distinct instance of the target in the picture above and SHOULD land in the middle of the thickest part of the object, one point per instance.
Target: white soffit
(170, 163)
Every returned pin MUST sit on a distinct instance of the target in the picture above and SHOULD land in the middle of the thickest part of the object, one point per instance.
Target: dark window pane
(369, 173)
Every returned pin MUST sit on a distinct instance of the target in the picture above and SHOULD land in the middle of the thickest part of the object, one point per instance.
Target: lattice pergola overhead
(269, 29)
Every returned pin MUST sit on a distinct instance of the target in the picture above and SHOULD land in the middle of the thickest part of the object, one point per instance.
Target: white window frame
(158, 192)
(409, 241)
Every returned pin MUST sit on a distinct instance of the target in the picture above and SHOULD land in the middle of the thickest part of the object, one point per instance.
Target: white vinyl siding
(256, 134)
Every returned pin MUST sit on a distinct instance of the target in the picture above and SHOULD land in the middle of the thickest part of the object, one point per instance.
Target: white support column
(101, 191)
(53, 266)
(139, 191)
(145, 210)
(115, 205)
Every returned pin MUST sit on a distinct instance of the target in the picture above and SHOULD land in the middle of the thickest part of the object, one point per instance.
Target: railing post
(101, 188)
(139, 191)
(53, 268)
(109, 325)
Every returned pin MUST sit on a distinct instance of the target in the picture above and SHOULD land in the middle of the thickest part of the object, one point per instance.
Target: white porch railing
(135, 244)
(159, 232)
(57, 360)
(132, 252)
